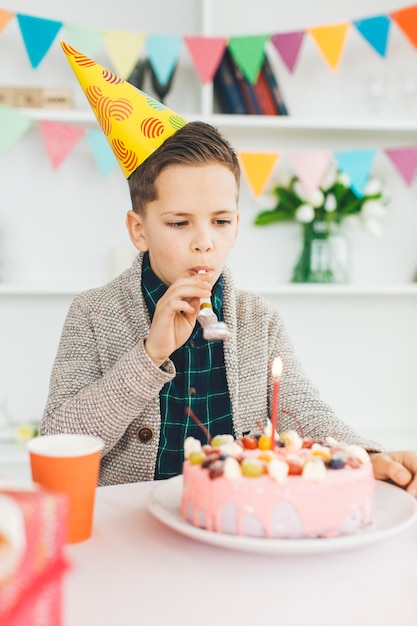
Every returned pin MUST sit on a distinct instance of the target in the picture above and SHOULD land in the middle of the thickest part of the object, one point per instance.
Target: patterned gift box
(31, 594)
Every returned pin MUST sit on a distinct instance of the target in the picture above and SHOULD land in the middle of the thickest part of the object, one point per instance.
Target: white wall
(59, 227)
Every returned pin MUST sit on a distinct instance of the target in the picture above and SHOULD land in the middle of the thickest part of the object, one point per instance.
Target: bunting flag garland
(5, 17)
(249, 54)
(38, 35)
(310, 167)
(163, 53)
(13, 124)
(206, 52)
(84, 38)
(288, 46)
(60, 139)
(124, 49)
(258, 167)
(356, 164)
(406, 19)
(330, 40)
(405, 160)
(375, 31)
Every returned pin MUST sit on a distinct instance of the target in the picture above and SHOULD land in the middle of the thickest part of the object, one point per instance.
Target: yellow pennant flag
(258, 168)
(330, 40)
(124, 49)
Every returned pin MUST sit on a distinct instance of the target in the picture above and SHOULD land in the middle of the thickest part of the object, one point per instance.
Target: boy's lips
(201, 269)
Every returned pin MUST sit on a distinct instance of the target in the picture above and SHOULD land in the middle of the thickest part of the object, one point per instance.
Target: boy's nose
(202, 243)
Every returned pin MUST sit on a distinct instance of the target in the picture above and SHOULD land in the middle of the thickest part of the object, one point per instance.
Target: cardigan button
(145, 434)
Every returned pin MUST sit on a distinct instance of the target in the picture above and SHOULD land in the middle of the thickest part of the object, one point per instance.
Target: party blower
(213, 330)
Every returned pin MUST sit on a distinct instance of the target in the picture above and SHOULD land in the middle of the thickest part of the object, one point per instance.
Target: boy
(132, 357)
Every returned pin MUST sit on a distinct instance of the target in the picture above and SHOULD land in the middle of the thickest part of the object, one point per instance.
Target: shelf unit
(367, 125)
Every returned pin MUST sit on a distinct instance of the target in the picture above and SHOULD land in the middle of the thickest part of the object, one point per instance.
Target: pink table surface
(134, 570)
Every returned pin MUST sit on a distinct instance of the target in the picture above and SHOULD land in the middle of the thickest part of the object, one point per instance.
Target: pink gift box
(32, 594)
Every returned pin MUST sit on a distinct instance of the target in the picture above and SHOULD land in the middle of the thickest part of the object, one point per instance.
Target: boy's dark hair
(196, 143)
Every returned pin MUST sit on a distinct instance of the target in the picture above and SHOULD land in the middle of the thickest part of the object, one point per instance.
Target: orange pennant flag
(5, 17)
(406, 19)
(60, 139)
(258, 168)
(330, 41)
(206, 53)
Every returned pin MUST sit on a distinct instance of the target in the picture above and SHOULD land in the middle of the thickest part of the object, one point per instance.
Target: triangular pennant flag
(102, 152)
(405, 160)
(13, 124)
(5, 17)
(330, 40)
(406, 19)
(206, 53)
(310, 167)
(163, 53)
(38, 35)
(124, 49)
(288, 45)
(258, 168)
(84, 38)
(249, 54)
(357, 165)
(60, 139)
(375, 31)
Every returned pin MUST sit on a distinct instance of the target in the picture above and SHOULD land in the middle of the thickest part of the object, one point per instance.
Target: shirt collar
(153, 289)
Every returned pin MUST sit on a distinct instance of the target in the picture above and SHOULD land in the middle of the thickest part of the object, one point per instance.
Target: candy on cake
(293, 487)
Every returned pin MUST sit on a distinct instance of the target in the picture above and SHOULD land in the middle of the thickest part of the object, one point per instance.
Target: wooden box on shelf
(37, 97)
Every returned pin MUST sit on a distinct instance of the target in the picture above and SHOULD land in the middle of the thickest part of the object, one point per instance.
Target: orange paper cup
(69, 464)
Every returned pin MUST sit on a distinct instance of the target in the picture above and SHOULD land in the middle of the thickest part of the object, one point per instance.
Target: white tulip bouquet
(321, 212)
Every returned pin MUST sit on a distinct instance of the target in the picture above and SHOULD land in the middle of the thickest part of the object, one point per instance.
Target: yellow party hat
(134, 124)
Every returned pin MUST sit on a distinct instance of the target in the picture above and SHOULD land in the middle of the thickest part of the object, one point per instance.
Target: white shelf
(407, 289)
(377, 125)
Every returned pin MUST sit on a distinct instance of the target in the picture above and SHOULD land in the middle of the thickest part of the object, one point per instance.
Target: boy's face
(192, 225)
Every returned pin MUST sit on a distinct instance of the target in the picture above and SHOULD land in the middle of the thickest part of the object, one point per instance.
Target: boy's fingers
(385, 467)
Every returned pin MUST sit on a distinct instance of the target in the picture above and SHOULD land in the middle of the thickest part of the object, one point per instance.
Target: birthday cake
(300, 489)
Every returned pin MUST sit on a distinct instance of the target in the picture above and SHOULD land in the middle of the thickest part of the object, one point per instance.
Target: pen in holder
(212, 328)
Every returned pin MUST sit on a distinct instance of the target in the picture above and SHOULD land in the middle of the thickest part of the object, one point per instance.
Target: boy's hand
(175, 317)
(400, 467)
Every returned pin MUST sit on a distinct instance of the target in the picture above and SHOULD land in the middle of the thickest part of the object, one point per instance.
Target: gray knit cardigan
(104, 383)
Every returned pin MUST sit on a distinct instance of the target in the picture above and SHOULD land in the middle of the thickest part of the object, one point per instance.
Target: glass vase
(323, 257)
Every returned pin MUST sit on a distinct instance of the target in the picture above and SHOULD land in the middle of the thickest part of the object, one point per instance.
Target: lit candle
(276, 376)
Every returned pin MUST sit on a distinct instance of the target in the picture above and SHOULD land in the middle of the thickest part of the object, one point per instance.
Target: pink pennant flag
(206, 53)
(310, 166)
(288, 45)
(60, 139)
(405, 160)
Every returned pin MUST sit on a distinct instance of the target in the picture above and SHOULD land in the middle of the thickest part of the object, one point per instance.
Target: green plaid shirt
(200, 383)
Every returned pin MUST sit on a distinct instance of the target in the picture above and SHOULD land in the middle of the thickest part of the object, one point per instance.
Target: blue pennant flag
(103, 155)
(163, 52)
(357, 165)
(38, 35)
(375, 30)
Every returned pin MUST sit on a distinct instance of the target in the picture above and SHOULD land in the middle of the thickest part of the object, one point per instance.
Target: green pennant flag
(249, 54)
(13, 124)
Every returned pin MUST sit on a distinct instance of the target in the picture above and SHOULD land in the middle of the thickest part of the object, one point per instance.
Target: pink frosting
(340, 503)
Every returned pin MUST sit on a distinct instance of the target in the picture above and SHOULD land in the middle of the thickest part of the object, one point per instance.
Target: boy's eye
(223, 222)
(177, 224)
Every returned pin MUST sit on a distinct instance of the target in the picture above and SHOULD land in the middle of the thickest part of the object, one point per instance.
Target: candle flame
(277, 367)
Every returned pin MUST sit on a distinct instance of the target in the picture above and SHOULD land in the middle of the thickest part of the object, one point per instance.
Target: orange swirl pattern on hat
(152, 127)
(79, 58)
(124, 155)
